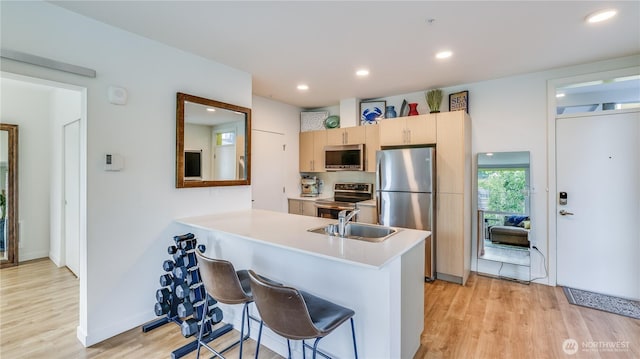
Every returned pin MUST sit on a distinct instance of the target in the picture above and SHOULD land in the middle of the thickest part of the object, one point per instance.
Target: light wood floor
(493, 318)
(487, 318)
(39, 316)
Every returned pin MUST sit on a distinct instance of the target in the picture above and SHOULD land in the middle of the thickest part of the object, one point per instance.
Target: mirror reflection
(4, 189)
(503, 207)
(212, 143)
(8, 194)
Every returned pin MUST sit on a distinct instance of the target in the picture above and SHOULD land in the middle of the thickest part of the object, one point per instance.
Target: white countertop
(368, 203)
(289, 231)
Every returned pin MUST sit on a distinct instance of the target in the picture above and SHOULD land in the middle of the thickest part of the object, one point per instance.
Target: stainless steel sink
(359, 231)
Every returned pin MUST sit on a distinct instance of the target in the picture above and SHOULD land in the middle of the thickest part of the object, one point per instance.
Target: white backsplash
(331, 178)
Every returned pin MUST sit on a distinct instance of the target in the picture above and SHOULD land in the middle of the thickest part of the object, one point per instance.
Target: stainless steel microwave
(344, 158)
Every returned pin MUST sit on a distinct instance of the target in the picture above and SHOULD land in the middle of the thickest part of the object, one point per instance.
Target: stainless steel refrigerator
(405, 193)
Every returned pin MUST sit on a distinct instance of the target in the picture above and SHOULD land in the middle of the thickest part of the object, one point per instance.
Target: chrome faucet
(343, 220)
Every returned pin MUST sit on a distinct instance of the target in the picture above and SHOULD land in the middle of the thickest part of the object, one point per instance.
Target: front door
(598, 229)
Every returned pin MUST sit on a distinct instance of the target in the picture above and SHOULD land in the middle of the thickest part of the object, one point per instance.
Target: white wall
(28, 106)
(510, 114)
(199, 137)
(272, 116)
(66, 107)
(130, 213)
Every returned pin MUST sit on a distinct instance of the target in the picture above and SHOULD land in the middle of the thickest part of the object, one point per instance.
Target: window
(225, 138)
(502, 189)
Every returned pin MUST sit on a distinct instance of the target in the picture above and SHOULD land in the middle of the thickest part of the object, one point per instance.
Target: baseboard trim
(449, 278)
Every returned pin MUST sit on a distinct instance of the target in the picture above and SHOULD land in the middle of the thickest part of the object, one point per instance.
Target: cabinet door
(354, 135)
(450, 152)
(392, 132)
(308, 208)
(421, 129)
(306, 152)
(367, 214)
(319, 141)
(336, 136)
(295, 206)
(372, 137)
(450, 234)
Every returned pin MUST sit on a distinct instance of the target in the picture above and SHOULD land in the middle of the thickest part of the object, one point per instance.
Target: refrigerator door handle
(378, 209)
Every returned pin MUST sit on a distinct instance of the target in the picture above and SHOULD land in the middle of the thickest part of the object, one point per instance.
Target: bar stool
(226, 285)
(297, 315)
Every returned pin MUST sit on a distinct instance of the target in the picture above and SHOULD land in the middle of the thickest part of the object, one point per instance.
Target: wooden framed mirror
(213, 143)
(8, 195)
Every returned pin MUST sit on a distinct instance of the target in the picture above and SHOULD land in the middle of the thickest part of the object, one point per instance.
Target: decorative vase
(413, 109)
(390, 112)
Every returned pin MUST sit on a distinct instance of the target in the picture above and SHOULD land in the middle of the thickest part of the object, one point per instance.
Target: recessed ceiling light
(601, 15)
(443, 54)
(303, 87)
(489, 154)
(211, 109)
(362, 72)
(558, 95)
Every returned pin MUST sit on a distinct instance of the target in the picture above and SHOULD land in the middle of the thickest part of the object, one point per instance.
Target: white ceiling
(322, 44)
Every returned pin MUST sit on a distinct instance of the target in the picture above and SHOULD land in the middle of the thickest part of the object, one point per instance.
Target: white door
(224, 167)
(598, 236)
(267, 171)
(72, 196)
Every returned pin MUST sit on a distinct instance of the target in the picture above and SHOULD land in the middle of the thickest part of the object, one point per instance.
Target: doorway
(597, 212)
(71, 197)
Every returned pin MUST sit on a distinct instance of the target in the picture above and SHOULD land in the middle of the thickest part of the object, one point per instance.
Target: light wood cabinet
(453, 199)
(299, 206)
(453, 155)
(346, 136)
(372, 137)
(367, 214)
(450, 231)
(312, 151)
(412, 130)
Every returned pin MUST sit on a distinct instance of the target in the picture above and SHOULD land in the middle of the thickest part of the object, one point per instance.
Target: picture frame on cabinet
(312, 120)
(459, 101)
(371, 112)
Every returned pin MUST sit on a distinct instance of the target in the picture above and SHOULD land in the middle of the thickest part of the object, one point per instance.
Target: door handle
(565, 213)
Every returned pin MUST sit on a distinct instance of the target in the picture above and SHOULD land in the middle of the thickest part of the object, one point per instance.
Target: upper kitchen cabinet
(453, 155)
(412, 130)
(346, 136)
(372, 136)
(312, 151)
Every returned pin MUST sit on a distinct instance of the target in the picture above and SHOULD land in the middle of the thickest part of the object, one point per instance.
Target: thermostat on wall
(117, 95)
(113, 162)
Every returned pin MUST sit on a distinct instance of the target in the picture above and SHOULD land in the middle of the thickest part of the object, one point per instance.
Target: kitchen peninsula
(382, 282)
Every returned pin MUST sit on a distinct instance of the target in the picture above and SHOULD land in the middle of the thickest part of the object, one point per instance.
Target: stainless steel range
(345, 197)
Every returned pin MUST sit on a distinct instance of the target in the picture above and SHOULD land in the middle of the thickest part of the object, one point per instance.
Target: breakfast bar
(383, 282)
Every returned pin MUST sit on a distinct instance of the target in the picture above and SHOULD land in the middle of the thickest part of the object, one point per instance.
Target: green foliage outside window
(502, 190)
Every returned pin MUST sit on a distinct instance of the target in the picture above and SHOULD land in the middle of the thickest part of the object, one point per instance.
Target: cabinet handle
(311, 164)
(408, 137)
(346, 138)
